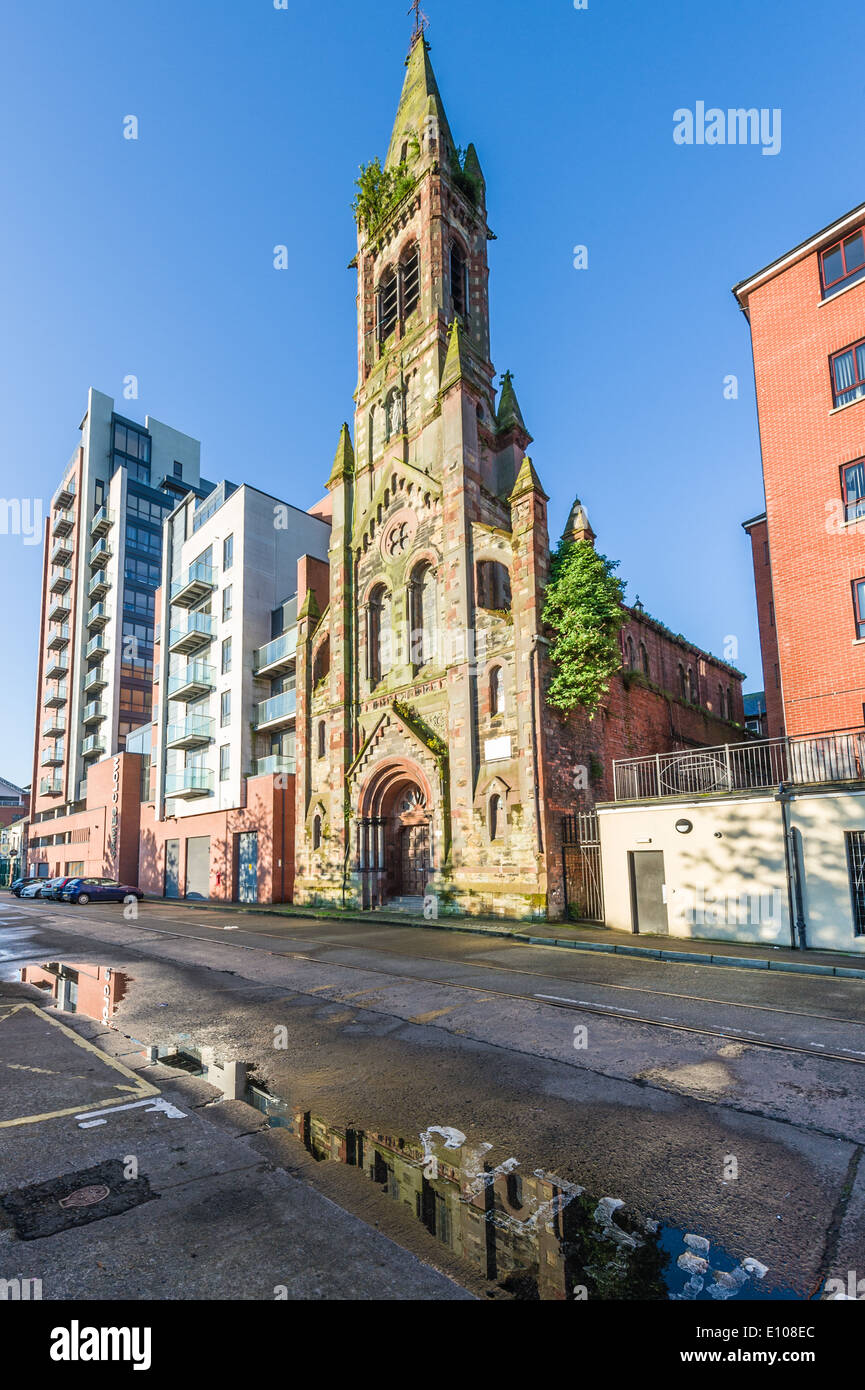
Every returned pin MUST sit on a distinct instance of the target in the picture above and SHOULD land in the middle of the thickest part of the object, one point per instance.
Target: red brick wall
(804, 444)
(761, 555)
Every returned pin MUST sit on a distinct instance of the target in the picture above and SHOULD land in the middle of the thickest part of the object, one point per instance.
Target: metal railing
(280, 649)
(198, 573)
(275, 763)
(188, 779)
(196, 726)
(808, 760)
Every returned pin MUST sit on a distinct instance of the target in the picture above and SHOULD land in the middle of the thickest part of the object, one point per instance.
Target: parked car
(98, 890)
(18, 884)
(51, 887)
(32, 889)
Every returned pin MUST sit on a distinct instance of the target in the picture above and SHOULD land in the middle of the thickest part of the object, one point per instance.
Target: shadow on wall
(735, 887)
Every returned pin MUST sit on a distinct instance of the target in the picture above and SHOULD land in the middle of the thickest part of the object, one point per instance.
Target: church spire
(420, 100)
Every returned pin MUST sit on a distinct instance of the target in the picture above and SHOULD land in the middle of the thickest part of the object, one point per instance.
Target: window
(843, 263)
(493, 586)
(228, 552)
(693, 695)
(853, 488)
(388, 304)
(722, 702)
(316, 832)
(178, 469)
(322, 739)
(459, 296)
(410, 276)
(855, 842)
(422, 611)
(848, 374)
(321, 663)
(225, 708)
(497, 690)
(226, 656)
(497, 817)
(378, 634)
(226, 604)
(225, 762)
(859, 604)
(683, 686)
(644, 659)
(630, 653)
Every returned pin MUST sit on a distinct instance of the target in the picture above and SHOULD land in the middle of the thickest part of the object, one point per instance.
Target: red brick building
(807, 317)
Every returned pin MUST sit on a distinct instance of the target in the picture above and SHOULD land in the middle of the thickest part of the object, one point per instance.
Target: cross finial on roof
(421, 23)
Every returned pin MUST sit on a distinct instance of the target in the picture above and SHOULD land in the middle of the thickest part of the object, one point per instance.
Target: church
(429, 767)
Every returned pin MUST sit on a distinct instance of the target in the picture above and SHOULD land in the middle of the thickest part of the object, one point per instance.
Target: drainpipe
(798, 927)
(534, 691)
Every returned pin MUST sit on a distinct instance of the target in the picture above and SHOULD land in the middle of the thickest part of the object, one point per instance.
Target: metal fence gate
(581, 863)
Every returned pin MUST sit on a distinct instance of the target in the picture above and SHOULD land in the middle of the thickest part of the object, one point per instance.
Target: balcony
(52, 757)
(58, 610)
(92, 744)
(51, 786)
(276, 763)
(195, 680)
(62, 552)
(65, 494)
(278, 711)
(54, 726)
(56, 666)
(61, 580)
(197, 632)
(761, 764)
(95, 680)
(100, 552)
(102, 522)
(277, 656)
(97, 646)
(193, 732)
(93, 712)
(57, 696)
(188, 783)
(98, 616)
(99, 585)
(63, 524)
(58, 637)
(194, 585)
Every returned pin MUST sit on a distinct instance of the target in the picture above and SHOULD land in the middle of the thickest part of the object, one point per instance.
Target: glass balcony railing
(51, 786)
(278, 707)
(56, 695)
(193, 584)
(281, 650)
(101, 551)
(197, 631)
(188, 782)
(93, 712)
(61, 552)
(95, 679)
(275, 763)
(97, 646)
(98, 615)
(197, 677)
(197, 729)
(98, 584)
(102, 520)
(60, 580)
(93, 743)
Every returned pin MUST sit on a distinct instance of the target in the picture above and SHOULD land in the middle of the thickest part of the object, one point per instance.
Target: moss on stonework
(379, 192)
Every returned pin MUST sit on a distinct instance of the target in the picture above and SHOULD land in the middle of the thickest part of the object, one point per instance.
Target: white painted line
(584, 1003)
(89, 1119)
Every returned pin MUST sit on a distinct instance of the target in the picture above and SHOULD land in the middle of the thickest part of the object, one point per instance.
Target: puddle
(531, 1234)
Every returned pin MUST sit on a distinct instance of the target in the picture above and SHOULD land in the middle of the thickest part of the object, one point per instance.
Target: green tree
(378, 191)
(583, 607)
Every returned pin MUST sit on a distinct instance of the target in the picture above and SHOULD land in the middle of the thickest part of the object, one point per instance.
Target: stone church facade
(428, 764)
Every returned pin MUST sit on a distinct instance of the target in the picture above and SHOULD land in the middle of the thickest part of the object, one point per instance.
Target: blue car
(99, 890)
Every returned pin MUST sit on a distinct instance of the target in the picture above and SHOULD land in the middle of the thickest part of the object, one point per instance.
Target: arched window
(459, 287)
(322, 738)
(316, 832)
(497, 817)
(729, 703)
(409, 271)
(630, 656)
(378, 639)
(497, 690)
(321, 663)
(693, 696)
(388, 304)
(722, 702)
(422, 607)
(644, 659)
(493, 586)
(683, 684)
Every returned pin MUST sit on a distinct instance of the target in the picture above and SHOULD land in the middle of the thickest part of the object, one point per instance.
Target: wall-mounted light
(684, 827)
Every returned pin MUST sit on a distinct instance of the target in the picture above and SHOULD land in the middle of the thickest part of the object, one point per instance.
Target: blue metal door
(247, 866)
(172, 868)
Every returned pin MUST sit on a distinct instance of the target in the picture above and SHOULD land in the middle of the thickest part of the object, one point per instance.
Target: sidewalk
(577, 937)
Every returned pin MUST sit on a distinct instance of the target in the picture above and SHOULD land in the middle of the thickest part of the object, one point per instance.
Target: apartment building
(101, 570)
(221, 820)
(806, 313)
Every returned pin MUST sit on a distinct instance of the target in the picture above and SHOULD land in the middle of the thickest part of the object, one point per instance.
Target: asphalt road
(721, 1102)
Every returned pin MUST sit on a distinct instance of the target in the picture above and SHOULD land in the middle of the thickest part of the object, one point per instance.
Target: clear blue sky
(155, 257)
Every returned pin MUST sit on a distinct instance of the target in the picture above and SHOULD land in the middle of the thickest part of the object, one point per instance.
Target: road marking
(89, 1119)
(440, 1013)
(141, 1087)
(584, 1003)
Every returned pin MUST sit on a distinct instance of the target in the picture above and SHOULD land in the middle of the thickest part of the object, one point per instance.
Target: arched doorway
(394, 833)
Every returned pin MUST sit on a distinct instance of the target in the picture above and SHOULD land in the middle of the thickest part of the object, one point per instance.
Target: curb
(606, 948)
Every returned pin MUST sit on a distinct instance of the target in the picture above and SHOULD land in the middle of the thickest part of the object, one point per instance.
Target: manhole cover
(86, 1196)
(75, 1199)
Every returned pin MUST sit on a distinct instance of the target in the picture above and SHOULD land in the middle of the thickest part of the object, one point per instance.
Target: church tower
(419, 726)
